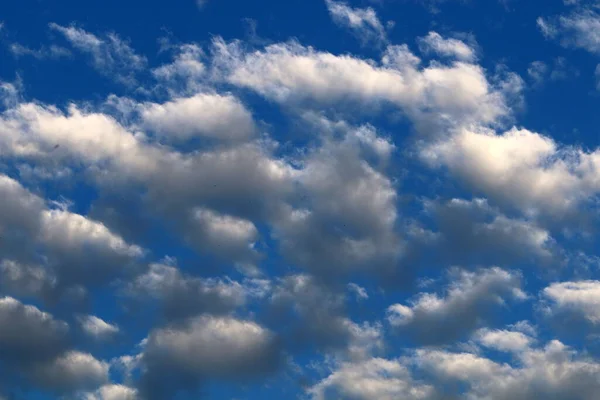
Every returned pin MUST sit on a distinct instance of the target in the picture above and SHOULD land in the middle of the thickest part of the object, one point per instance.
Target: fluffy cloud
(113, 392)
(203, 115)
(28, 333)
(348, 219)
(553, 372)
(293, 74)
(72, 371)
(519, 168)
(206, 347)
(79, 250)
(471, 232)
(570, 300)
(503, 340)
(432, 319)
(376, 378)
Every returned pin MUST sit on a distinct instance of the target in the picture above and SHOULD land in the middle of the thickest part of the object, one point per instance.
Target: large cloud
(293, 74)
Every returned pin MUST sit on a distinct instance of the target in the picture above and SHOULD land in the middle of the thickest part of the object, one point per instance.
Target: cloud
(36, 346)
(293, 74)
(471, 232)
(110, 56)
(577, 29)
(552, 372)
(97, 328)
(539, 71)
(363, 22)
(376, 378)
(113, 392)
(29, 334)
(453, 48)
(185, 73)
(203, 115)
(183, 296)
(431, 319)
(206, 347)
(347, 222)
(503, 340)
(72, 371)
(52, 52)
(542, 177)
(574, 299)
(78, 250)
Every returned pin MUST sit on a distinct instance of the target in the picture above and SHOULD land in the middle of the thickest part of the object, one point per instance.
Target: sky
(302, 199)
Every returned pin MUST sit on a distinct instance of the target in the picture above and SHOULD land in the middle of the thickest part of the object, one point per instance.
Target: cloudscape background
(302, 199)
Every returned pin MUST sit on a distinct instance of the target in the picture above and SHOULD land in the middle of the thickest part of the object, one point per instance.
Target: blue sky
(392, 199)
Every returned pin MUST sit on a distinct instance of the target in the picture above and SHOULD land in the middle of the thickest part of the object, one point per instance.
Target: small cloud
(110, 55)
(359, 291)
(454, 48)
(362, 22)
(52, 52)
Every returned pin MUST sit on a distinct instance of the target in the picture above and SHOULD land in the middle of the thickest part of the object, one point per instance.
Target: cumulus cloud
(79, 250)
(203, 115)
(472, 232)
(206, 347)
(376, 378)
(183, 296)
(432, 319)
(571, 300)
(541, 177)
(503, 340)
(363, 22)
(293, 74)
(554, 371)
(113, 392)
(72, 371)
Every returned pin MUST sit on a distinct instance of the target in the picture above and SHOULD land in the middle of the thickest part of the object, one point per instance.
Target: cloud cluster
(216, 244)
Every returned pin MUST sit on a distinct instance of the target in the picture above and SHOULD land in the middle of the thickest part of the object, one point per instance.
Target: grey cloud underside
(200, 162)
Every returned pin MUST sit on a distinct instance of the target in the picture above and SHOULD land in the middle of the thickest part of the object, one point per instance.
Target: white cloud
(375, 378)
(203, 115)
(359, 291)
(453, 48)
(293, 74)
(113, 392)
(110, 56)
(552, 372)
(578, 29)
(363, 22)
(519, 168)
(96, 327)
(503, 340)
(581, 297)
